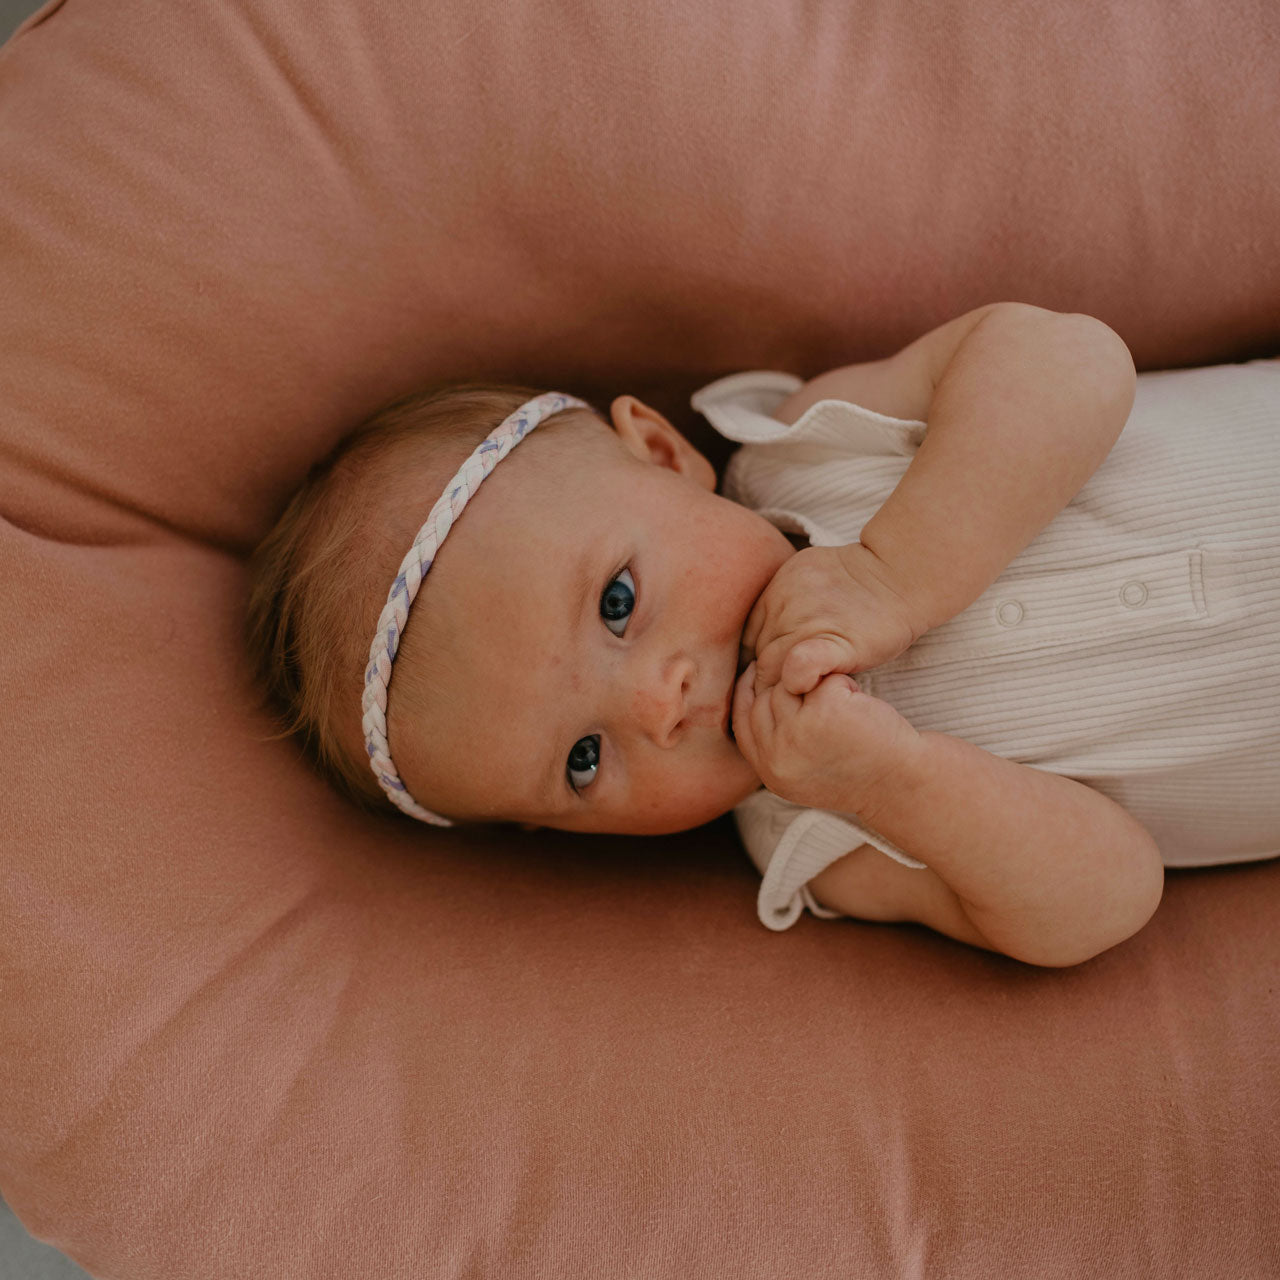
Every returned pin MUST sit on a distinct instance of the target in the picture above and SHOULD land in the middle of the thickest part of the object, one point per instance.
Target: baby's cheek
(686, 792)
(739, 554)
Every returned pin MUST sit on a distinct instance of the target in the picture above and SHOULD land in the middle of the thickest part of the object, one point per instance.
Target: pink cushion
(247, 1031)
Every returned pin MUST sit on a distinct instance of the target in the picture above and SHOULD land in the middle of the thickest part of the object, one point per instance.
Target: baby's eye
(617, 602)
(584, 760)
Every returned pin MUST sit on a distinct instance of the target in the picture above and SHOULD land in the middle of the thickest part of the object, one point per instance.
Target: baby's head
(570, 656)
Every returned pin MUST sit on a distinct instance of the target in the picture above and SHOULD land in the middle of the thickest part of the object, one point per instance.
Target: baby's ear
(651, 438)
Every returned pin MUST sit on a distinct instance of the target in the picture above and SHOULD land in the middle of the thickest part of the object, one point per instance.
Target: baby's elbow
(1108, 361)
(1122, 911)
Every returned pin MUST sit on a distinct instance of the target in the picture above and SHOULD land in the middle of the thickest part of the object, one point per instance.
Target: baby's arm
(1019, 860)
(1022, 406)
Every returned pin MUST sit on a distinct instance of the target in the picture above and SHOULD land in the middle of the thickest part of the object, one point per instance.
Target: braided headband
(415, 566)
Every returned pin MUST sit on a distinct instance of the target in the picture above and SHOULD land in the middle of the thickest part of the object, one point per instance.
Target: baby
(993, 621)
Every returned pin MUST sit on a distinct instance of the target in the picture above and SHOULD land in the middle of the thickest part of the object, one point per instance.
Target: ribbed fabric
(1134, 645)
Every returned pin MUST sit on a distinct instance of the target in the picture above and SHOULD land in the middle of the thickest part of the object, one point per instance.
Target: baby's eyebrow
(549, 793)
(552, 789)
(584, 586)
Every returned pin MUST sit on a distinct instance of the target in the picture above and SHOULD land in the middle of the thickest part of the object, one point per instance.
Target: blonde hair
(317, 579)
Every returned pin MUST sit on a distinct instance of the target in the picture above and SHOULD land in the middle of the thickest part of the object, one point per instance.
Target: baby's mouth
(733, 689)
(726, 723)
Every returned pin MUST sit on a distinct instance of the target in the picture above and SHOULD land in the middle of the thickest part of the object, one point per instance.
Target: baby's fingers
(809, 661)
(769, 661)
(755, 629)
(756, 716)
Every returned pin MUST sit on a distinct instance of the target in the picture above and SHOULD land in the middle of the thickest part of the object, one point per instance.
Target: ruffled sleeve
(741, 406)
(791, 844)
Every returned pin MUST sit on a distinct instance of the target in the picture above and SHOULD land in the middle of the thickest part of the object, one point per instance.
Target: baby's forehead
(570, 444)
(530, 501)
(553, 470)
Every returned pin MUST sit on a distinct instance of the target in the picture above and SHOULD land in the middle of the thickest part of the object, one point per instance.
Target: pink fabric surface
(248, 1031)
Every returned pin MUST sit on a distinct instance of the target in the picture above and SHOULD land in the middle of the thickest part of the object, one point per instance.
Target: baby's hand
(835, 747)
(826, 609)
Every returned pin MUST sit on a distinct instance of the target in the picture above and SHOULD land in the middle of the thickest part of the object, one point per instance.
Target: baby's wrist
(901, 769)
(905, 595)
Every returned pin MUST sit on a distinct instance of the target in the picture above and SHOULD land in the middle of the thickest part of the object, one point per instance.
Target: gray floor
(22, 1258)
(12, 12)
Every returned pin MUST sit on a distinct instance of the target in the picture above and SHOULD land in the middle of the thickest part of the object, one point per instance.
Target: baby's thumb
(808, 662)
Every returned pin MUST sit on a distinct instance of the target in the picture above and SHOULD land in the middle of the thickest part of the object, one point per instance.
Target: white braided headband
(415, 566)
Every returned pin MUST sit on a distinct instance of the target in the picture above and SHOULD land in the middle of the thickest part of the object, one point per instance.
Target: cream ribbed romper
(1134, 645)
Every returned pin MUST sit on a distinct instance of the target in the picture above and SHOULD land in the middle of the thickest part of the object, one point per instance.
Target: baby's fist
(827, 609)
(808, 661)
(834, 747)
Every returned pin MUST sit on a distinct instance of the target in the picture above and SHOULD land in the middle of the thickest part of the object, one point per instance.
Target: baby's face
(586, 613)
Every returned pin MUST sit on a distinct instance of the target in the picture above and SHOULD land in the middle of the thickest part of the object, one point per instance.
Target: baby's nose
(658, 702)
